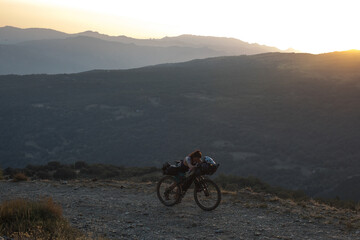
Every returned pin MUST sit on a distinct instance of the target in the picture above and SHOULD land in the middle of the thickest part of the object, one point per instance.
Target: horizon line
(174, 36)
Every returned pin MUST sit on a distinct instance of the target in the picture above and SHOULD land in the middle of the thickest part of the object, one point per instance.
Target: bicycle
(207, 194)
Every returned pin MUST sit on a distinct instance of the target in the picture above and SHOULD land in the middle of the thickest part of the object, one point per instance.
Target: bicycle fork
(201, 186)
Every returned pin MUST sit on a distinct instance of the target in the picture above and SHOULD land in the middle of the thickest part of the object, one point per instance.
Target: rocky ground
(130, 210)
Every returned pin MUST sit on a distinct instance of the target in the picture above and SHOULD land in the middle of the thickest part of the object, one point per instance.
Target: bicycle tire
(174, 192)
(201, 188)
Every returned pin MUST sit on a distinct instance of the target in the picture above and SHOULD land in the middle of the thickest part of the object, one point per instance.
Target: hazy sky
(307, 25)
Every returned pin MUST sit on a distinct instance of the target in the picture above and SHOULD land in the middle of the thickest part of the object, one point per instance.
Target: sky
(314, 26)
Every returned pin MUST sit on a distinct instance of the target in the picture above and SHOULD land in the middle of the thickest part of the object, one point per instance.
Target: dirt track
(122, 210)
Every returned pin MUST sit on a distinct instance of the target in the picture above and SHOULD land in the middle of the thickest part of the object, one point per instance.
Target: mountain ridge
(116, 38)
(31, 51)
(81, 53)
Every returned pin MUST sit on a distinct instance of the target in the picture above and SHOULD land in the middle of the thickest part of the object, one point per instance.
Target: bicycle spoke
(168, 191)
(207, 195)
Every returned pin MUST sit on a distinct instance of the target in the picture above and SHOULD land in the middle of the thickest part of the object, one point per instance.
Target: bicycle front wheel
(168, 191)
(207, 195)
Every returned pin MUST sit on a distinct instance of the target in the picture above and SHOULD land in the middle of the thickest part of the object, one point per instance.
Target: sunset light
(309, 26)
(174, 119)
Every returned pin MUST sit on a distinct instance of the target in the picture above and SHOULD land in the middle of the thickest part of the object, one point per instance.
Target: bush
(80, 165)
(19, 177)
(54, 165)
(25, 219)
(43, 175)
(9, 172)
(338, 203)
(1, 174)
(94, 170)
(151, 177)
(230, 182)
(64, 174)
(240, 182)
(101, 171)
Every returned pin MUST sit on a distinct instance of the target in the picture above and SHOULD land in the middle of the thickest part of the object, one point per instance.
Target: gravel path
(122, 210)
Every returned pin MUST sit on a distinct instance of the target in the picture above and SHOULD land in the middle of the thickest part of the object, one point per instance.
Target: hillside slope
(289, 119)
(130, 210)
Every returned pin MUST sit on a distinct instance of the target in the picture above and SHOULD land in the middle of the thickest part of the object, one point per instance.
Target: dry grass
(25, 219)
(308, 209)
(227, 192)
(19, 177)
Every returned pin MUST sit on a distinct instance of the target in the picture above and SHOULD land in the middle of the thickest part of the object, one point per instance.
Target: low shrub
(53, 165)
(80, 165)
(80, 169)
(338, 203)
(151, 177)
(102, 171)
(239, 182)
(43, 175)
(95, 170)
(64, 174)
(9, 172)
(19, 177)
(25, 219)
(1, 174)
(233, 183)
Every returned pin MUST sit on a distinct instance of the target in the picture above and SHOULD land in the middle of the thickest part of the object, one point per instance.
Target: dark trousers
(196, 172)
(181, 170)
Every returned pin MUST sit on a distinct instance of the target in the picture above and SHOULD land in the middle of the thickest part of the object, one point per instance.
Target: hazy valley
(289, 119)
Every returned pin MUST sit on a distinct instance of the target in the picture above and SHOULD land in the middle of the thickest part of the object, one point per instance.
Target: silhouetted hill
(29, 51)
(81, 53)
(12, 35)
(290, 119)
(231, 46)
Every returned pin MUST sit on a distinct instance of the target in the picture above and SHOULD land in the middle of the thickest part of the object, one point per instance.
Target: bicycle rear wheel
(168, 191)
(207, 195)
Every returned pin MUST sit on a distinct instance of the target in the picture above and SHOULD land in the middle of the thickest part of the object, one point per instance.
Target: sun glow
(309, 26)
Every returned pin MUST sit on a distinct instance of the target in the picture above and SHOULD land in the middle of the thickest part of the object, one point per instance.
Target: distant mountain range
(289, 119)
(35, 50)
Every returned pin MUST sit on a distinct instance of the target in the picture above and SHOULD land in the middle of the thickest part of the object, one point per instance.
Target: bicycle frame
(204, 187)
(197, 180)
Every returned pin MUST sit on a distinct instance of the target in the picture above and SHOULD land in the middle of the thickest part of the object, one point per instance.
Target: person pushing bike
(188, 164)
(191, 162)
(172, 187)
